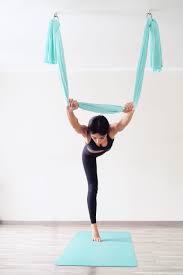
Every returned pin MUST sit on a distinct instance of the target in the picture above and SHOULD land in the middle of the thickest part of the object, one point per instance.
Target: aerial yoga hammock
(55, 55)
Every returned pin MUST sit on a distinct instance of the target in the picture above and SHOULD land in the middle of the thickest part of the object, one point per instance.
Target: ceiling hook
(149, 14)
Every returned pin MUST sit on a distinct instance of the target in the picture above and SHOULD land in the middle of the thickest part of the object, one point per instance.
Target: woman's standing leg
(90, 167)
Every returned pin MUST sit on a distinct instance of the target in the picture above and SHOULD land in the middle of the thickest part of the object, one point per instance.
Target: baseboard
(101, 223)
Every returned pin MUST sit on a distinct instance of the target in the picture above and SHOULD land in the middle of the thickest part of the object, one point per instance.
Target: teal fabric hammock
(55, 55)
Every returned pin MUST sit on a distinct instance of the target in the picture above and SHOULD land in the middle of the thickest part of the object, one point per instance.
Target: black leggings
(90, 167)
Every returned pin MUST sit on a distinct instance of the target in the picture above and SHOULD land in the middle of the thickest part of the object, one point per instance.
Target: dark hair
(98, 124)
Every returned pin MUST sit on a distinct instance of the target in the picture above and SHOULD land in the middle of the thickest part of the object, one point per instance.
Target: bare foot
(95, 233)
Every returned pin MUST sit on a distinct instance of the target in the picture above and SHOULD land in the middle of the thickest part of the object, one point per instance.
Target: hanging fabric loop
(54, 54)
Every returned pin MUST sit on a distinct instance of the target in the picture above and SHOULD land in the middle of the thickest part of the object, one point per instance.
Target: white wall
(97, 34)
(41, 175)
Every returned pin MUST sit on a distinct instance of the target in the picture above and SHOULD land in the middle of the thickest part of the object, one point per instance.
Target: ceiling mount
(149, 14)
(55, 15)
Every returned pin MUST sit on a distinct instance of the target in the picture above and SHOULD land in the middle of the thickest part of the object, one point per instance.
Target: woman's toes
(98, 239)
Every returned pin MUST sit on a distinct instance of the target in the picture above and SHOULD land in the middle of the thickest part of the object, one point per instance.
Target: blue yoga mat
(115, 249)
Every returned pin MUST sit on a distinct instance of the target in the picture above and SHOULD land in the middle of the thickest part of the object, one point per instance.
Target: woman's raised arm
(120, 125)
(73, 105)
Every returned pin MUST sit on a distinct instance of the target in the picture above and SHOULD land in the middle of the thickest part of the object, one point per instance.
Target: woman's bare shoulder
(86, 134)
(111, 131)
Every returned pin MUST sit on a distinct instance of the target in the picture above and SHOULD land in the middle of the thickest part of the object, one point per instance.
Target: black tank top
(92, 145)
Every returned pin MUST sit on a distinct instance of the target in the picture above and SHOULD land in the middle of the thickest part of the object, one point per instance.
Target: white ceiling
(97, 34)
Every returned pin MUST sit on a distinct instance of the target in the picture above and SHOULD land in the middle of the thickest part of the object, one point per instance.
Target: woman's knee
(93, 188)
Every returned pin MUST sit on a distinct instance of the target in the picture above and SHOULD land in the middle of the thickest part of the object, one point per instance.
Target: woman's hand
(73, 104)
(128, 107)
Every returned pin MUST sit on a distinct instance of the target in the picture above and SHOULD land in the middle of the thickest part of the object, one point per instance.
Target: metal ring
(56, 15)
(149, 14)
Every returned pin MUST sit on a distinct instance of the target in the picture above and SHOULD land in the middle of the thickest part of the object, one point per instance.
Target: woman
(99, 137)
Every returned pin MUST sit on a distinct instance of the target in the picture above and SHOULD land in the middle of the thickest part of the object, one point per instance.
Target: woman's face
(98, 139)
